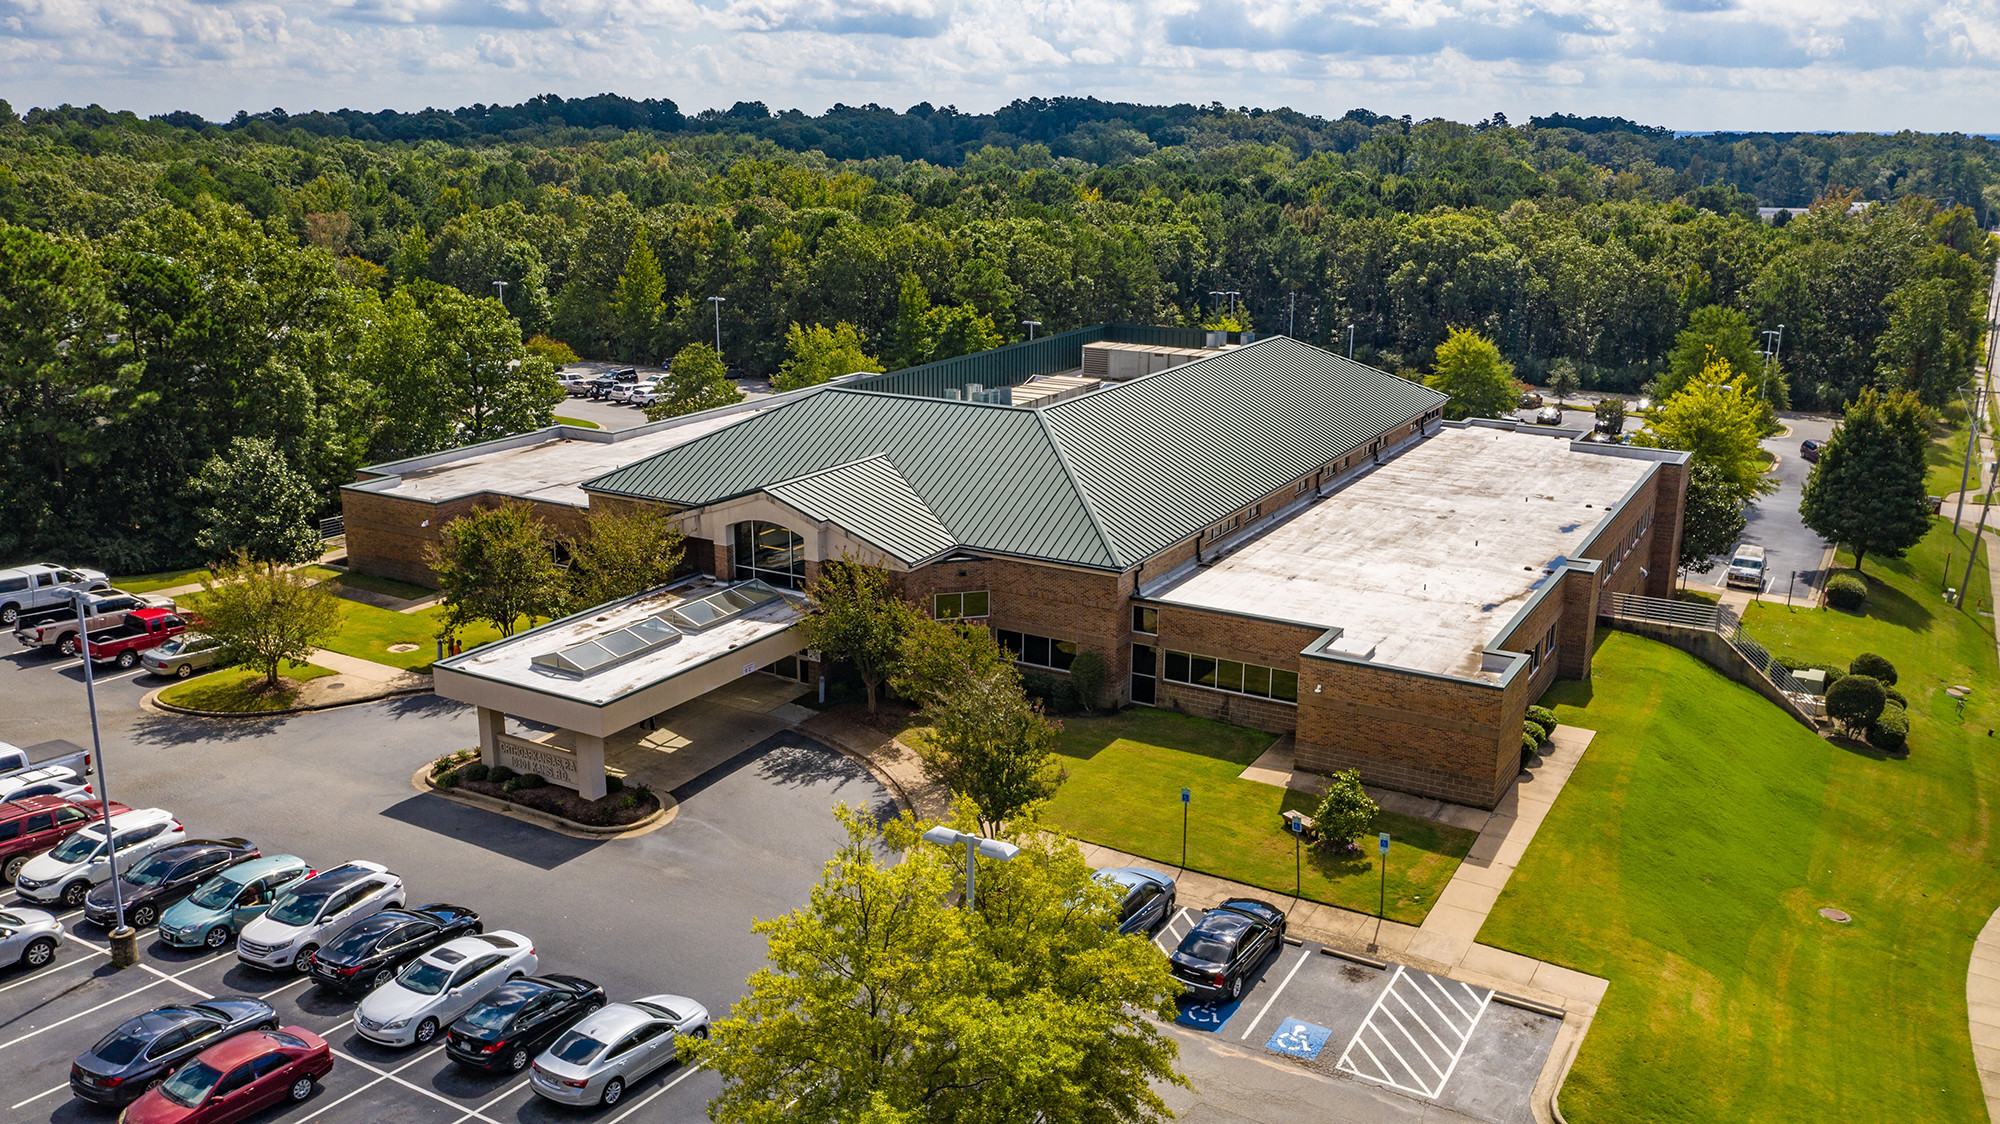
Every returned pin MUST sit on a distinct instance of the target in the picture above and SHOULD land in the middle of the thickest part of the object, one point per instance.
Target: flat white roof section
(1422, 561)
(551, 470)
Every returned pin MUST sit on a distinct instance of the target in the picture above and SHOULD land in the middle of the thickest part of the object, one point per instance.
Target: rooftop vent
(615, 647)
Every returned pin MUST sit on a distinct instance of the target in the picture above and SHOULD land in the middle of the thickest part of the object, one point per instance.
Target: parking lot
(1421, 1038)
(667, 912)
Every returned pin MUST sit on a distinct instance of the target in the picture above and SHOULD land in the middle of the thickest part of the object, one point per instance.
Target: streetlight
(1350, 343)
(1771, 349)
(974, 845)
(717, 302)
(502, 286)
(1031, 325)
(124, 942)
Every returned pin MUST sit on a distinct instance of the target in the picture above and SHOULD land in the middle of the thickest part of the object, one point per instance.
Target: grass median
(1690, 853)
(1126, 772)
(237, 690)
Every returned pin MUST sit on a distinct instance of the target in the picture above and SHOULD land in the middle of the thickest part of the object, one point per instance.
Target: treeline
(168, 285)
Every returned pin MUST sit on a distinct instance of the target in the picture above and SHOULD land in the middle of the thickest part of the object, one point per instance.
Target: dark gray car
(1147, 897)
(141, 1050)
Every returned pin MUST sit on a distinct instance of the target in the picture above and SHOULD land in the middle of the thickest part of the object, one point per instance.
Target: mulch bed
(564, 802)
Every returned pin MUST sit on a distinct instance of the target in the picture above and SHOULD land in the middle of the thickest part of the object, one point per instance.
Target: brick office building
(1273, 535)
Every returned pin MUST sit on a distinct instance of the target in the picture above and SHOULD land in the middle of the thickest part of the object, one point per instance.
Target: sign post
(1298, 863)
(1382, 891)
(1185, 797)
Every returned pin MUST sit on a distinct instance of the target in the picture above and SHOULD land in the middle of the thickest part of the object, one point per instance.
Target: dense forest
(326, 281)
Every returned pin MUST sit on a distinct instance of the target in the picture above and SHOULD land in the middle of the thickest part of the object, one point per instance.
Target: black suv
(600, 387)
(164, 877)
(1226, 946)
(367, 953)
(519, 1020)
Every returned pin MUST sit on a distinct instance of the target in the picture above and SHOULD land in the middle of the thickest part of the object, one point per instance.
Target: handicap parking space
(1428, 1038)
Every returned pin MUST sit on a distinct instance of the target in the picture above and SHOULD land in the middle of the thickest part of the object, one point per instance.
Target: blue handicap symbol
(1299, 1039)
(1205, 1016)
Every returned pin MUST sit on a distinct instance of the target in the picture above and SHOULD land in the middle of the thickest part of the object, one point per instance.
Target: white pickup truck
(25, 589)
(55, 627)
(16, 770)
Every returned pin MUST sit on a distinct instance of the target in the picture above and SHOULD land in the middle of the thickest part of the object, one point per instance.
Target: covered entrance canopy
(600, 671)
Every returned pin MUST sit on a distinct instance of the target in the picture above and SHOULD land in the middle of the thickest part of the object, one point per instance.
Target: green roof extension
(1104, 480)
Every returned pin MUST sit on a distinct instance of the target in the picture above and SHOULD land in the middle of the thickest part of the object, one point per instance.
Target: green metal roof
(871, 500)
(1104, 480)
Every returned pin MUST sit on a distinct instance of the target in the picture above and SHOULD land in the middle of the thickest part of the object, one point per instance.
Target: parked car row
(56, 627)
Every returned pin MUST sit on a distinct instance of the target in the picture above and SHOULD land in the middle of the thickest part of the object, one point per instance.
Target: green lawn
(165, 579)
(240, 690)
(1126, 772)
(368, 632)
(1689, 854)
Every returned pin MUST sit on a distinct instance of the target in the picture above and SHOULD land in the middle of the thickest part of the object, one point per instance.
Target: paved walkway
(1982, 977)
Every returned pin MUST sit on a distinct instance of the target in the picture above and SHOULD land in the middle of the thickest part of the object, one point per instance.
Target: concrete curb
(866, 761)
(668, 810)
(151, 701)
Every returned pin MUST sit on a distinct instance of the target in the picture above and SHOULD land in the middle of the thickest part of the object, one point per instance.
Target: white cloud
(1686, 63)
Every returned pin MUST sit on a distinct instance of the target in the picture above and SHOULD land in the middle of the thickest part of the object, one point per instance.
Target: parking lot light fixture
(124, 942)
(975, 846)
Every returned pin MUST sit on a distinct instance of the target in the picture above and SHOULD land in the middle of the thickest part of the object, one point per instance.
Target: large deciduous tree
(265, 615)
(635, 304)
(883, 1002)
(1469, 368)
(496, 564)
(1922, 350)
(1711, 518)
(1713, 334)
(256, 504)
(697, 381)
(937, 659)
(857, 618)
(988, 743)
(1719, 421)
(619, 554)
(1867, 490)
(819, 353)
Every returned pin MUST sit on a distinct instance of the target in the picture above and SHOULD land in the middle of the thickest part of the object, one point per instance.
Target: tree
(856, 617)
(265, 614)
(557, 353)
(988, 743)
(1921, 350)
(496, 564)
(1087, 673)
(636, 307)
(1875, 667)
(1345, 810)
(961, 330)
(1711, 518)
(1563, 381)
(1469, 368)
(938, 659)
(1856, 701)
(819, 354)
(1714, 334)
(697, 381)
(1610, 414)
(883, 1002)
(619, 554)
(1866, 491)
(257, 505)
(910, 339)
(1717, 420)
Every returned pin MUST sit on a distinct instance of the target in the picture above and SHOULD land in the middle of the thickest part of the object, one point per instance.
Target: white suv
(81, 862)
(299, 920)
(634, 393)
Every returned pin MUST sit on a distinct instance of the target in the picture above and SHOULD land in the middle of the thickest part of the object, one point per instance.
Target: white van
(25, 588)
(1746, 569)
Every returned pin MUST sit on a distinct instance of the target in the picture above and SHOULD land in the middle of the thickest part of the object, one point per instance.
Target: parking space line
(415, 1088)
(1458, 1022)
(656, 1094)
(80, 1014)
(1168, 928)
(1304, 955)
(1420, 1022)
(175, 978)
(1442, 1017)
(1416, 1047)
(333, 1104)
(1481, 1013)
(38, 1096)
(41, 974)
(283, 987)
(494, 1101)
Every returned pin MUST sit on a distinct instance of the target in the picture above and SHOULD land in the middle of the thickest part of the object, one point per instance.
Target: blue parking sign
(1298, 1039)
(1382, 842)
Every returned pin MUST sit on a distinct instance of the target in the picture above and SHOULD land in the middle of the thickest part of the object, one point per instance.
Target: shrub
(501, 773)
(1087, 674)
(1891, 729)
(1833, 675)
(627, 802)
(1847, 591)
(477, 771)
(1544, 719)
(449, 780)
(521, 781)
(1345, 810)
(1530, 745)
(613, 785)
(1856, 701)
(1896, 697)
(1039, 687)
(1868, 663)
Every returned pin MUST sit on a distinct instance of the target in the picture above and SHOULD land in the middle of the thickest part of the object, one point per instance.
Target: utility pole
(1971, 445)
(717, 302)
(1350, 342)
(1292, 315)
(1971, 556)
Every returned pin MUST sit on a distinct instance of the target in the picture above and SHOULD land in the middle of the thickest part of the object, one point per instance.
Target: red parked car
(35, 824)
(236, 1079)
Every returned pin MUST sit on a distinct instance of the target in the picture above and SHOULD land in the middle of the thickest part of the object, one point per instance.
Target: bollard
(124, 947)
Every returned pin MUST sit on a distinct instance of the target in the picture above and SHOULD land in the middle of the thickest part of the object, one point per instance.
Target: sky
(1931, 65)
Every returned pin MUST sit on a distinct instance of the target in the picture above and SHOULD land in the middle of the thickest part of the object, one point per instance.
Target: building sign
(552, 763)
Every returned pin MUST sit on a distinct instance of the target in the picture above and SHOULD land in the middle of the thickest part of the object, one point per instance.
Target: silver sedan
(183, 655)
(614, 1047)
(29, 937)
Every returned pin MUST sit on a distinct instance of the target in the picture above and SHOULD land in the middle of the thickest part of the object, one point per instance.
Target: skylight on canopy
(600, 652)
(707, 612)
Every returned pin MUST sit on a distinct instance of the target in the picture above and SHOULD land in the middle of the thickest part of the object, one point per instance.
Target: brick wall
(387, 535)
(1060, 602)
(1451, 740)
(1225, 706)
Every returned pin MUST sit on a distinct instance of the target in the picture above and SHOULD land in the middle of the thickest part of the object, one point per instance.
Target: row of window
(1217, 674)
(1040, 651)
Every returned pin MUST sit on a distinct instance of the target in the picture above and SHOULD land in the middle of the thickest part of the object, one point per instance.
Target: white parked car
(306, 913)
(634, 393)
(442, 984)
(68, 873)
(52, 780)
(598, 1058)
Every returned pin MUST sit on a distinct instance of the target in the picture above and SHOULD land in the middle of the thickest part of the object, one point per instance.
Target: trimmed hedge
(520, 781)
(477, 771)
(1847, 591)
(1891, 729)
(1543, 719)
(501, 773)
(1868, 663)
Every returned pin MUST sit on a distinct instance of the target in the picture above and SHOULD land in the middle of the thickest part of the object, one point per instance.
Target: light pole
(1292, 314)
(1350, 343)
(1992, 482)
(1971, 445)
(1771, 349)
(717, 302)
(974, 846)
(502, 286)
(124, 942)
(1031, 325)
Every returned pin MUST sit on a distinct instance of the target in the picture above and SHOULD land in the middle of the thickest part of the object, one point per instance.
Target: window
(1224, 527)
(1145, 673)
(65, 817)
(1304, 483)
(10, 830)
(1041, 651)
(770, 553)
(1228, 675)
(1146, 619)
(953, 606)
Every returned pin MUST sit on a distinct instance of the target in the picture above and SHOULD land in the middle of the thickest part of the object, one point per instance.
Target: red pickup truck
(141, 629)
